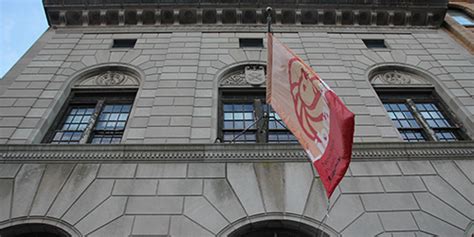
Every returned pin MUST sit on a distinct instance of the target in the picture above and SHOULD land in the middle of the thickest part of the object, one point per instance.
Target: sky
(22, 22)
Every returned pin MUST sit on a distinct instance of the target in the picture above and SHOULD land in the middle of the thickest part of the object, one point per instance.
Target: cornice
(225, 152)
(255, 28)
(85, 13)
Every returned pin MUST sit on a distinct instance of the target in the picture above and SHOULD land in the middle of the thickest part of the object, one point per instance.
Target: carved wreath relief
(395, 77)
(110, 78)
(234, 80)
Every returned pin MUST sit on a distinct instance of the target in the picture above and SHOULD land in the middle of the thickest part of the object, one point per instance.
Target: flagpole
(269, 20)
(269, 56)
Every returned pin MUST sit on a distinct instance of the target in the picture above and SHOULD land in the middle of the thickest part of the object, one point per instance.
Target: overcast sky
(21, 23)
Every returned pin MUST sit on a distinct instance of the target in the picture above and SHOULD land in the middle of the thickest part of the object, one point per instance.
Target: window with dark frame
(124, 43)
(246, 118)
(92, 117)
(461, 17)
(375, 43)
(250, 43)
(420, 116)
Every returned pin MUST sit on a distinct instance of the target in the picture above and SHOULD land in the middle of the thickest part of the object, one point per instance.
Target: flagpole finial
(269, 19)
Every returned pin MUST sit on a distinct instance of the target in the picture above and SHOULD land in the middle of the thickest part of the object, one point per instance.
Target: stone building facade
(160, 78)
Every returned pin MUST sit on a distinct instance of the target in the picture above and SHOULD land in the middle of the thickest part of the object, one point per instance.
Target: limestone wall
(377, 198)
(180, 68)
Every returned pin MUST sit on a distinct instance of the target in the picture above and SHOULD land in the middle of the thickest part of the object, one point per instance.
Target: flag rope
(325, 217)
(246, 129)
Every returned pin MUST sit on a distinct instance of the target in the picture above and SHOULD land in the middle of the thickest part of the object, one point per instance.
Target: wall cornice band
(226, 152)
(83, 13)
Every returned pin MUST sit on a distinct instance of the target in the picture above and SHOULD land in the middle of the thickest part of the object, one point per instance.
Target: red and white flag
(312, 111)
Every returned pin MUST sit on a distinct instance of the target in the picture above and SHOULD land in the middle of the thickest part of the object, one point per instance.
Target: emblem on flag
(312, 111)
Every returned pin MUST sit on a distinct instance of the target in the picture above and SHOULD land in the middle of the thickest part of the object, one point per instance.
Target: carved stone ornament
(255, 75)
(228, 153)
(109, 78)
(236, 79)
(396, 77)
(251, 75)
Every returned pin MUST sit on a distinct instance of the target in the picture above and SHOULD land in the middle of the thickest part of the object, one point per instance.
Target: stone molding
(64, 226)
(225, 152)
(234, 79)
(397, 77)
(277, 216)
(245, 76)
(62, 13)
(108, 79)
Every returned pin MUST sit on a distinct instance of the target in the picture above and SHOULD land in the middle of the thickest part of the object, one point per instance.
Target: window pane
(238, 107)
(404, 124)
(272, 125)
(76, 121)
(239, 125)
(432, 115)
(403, 107)
(228, 116)
(114, 116)
(402, 117)
(239, 116)
(247, 137)
(461, 17)
(76, 136)
(123, 117)
(57, 136)
(111, 115)
(106, 139)
(412, 135)
(413, 123)
(250, 124)
(126, 108)
(435, 114)
(446, 136)
(248, 116)
(281, 136)
(111, 124)
(85, 119)
(69, 118)
(120, 125)
(117, 108)
(73, 127)
(417, 123)
(464, 20)
(228, 124)
(108, 108)
(248, 107)
(228, 107)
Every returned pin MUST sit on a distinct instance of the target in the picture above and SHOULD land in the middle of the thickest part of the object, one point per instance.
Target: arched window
(244, 116)
(413, 106)
(33, 230)
(278, 228)
(97, 109)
